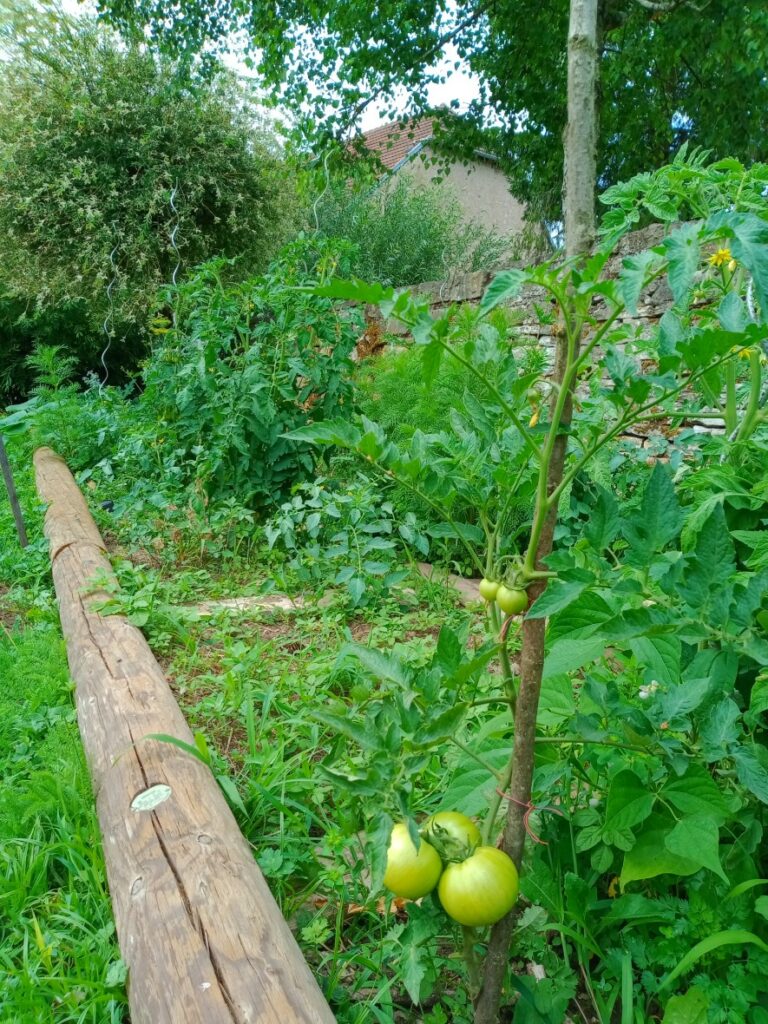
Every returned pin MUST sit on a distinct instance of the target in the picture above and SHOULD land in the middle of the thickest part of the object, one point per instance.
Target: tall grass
(59, 960)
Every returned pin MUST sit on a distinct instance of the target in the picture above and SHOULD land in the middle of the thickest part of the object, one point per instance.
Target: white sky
(459, 85)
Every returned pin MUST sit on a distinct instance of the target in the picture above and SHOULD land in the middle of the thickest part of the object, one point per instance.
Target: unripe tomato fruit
(480, 890)
(488, 589)
(454, 835)
(511, 601)
(410, 873)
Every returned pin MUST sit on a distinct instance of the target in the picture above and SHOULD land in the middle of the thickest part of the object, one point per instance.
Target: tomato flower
(720, 258)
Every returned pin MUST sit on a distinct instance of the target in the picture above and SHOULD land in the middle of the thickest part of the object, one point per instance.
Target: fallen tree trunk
(203, 939)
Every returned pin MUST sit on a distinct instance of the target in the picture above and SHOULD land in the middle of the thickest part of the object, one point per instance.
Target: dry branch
(203, 939)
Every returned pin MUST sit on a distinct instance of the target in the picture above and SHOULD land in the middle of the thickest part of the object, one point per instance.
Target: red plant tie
(529, 809)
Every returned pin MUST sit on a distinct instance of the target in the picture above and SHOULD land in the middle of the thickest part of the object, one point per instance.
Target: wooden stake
(12, 496)
(204, 940)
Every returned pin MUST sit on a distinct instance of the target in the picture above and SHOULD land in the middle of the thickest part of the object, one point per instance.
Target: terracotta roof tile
(393, 142)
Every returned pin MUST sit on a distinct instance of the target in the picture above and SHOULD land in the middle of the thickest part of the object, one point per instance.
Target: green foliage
(344, 535)
(689, 188)
(391, 390)
(652, 636)
(241, 366)
(405, 233)
(674, 74)
(651, 762)
(116, 176)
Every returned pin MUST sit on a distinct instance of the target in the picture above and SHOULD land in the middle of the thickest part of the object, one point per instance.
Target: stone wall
(469, 287)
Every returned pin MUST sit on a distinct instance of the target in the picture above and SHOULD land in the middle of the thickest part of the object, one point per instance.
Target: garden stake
(12, 496)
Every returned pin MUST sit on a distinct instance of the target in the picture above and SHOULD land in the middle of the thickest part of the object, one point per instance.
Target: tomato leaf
(659, 656)
(471, 785)
(683, 253)
(751, 772)
(658, 520)
(604, 520)
(711, 562)
(505, 285)
(442, 726)
(383, 666)
(561, 593)
(634, 271)
(749, 246)
(568, 655)
(720, 729)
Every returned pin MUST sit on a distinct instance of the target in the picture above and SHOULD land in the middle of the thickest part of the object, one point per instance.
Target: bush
(241, 366)
(115, 175)
(406, 234)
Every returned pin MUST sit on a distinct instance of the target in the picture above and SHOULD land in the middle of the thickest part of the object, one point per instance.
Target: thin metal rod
(15, 507)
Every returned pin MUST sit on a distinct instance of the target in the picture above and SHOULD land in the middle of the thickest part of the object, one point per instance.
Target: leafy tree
(116, 177)
(671, 72)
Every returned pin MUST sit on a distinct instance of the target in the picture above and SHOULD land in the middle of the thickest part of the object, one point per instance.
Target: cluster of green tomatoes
(477, 884)
(511, 600)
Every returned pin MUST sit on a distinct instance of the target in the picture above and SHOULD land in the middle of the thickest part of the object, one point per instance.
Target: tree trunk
(201, 935)
(581, 130)
(579, 188)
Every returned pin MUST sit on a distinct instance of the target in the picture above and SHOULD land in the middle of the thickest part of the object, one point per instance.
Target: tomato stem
(470, 959)
(476, 757)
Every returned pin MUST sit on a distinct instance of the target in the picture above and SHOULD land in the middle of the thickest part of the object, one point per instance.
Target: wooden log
(203, 939)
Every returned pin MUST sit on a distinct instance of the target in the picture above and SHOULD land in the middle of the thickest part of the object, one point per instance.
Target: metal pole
(15, 507)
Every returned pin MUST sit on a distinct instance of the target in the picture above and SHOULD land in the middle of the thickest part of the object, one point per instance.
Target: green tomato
(410, 873)
(481, 889)
(453, 835)
(488, 589)
(511, 601)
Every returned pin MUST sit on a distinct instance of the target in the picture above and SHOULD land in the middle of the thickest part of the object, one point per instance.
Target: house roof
(393, 143)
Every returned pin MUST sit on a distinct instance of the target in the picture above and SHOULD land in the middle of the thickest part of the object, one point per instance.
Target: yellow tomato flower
(719, 258)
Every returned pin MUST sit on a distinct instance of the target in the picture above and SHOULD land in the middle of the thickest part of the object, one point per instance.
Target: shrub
(406, 234)
(240, 367)
(115, 175)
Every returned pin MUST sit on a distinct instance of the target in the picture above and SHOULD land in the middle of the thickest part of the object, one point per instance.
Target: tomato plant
(410, 873)
(653, 752)
(480, 890)
(488, 589)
